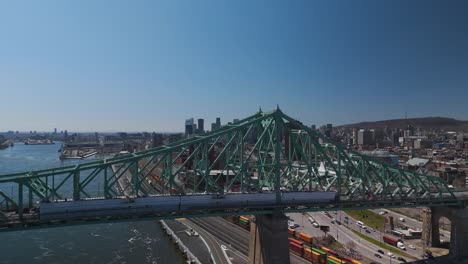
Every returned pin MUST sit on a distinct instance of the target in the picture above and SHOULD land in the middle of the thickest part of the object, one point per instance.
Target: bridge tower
(269, 239)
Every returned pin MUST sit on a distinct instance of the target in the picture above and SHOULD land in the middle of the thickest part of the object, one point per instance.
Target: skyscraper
(201, 126)
(189, 127)
(216, 125)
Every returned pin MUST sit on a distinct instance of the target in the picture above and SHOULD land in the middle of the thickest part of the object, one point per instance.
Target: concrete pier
(459, 230)
(269, 240)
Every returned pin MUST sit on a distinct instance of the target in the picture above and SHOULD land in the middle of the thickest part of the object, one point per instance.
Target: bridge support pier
(459, 229)
(269, 240)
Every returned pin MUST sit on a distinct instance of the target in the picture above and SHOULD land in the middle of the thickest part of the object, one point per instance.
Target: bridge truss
(268, 152)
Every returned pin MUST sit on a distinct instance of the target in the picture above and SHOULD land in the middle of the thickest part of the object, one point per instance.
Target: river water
(129, 242)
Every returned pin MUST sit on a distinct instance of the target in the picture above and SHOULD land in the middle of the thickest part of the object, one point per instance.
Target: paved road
(232, 235)
(340, 233)
(411, 223)
(377, 235)
(212, 242)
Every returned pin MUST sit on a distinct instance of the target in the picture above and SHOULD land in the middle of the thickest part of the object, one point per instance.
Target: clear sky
(93, 65)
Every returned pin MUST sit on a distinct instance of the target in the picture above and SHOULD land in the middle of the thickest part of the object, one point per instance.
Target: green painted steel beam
(266, 150)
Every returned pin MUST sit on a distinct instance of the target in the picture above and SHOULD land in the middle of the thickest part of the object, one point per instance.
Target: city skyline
(147, 67)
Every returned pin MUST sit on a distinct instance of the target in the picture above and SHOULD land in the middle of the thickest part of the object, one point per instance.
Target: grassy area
(369, 218)
(383, 245)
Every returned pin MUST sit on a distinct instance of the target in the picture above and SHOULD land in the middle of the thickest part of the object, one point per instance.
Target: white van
(401, 246)
(359, 223)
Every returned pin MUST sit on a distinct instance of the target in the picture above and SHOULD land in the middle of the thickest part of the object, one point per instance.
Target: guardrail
(190, 256)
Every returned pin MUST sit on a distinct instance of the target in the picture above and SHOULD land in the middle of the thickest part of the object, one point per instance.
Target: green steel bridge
(265, 156)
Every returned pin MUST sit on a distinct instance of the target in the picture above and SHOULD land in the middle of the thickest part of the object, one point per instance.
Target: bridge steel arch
(268, 152)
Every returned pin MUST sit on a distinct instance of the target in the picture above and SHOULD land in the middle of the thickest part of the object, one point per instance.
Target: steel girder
(266, 152)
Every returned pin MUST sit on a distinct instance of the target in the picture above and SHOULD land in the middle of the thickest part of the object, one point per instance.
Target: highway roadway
(232, 235)
(377, 235)
(214, 245)
(342, 234)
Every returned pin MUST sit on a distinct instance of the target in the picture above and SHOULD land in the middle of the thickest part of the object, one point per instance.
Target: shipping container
(296, 248)
(295, 241)
(308, 254)
(325, 249)
(348, 260)
(356, 262)
(291, 232)
(316, 257)
(331, 261)
(333, 252)
(305, 237)
(321, 257)
(244, 218)
(319, 251)
(335, 259)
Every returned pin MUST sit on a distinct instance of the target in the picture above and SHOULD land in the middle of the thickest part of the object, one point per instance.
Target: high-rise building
(55, 131)
(313, 127)
(355, 136)
(216, 125)
(189, 127)
(407, 133)
(328, 130)
(201, 126)
(235, 120)
(365, 137)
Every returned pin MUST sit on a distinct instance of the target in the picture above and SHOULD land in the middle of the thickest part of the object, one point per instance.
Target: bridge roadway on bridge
(216, 231)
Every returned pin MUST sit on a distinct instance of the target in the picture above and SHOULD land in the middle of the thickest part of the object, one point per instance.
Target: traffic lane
(344, 236)
(354, 227)
(213, 244)
(377, 235)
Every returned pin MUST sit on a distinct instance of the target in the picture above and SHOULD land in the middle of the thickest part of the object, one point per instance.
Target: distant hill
(438, 123)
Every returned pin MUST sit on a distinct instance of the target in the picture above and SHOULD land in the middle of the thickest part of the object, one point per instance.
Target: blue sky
(148, 65)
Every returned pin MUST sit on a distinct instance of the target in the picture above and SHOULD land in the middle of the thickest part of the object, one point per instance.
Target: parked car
(412, 247)
(390, 254)
(401, 219)
(314, 224)
(368, 231)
